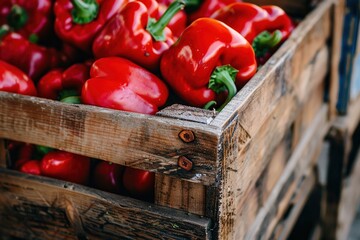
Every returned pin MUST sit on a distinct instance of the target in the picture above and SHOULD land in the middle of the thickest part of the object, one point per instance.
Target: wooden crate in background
(343, 177)
(252, 163)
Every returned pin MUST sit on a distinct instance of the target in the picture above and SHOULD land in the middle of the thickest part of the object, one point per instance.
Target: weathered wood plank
(349, 201)
(348, 123)
(247, 161)
(246, 208)
(52, 209)
(3, 154)
(299, 164)
(188, 113)
(136, 140)
(179, 194)
(298, 200)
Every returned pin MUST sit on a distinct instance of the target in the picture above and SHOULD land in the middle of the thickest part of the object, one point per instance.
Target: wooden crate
(250, 163)
(343, 193)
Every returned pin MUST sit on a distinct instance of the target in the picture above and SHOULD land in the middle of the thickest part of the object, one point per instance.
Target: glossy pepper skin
(205, 8)
(31, 167)
(139, 183)
(32, 59)
(120, 84)
(132, 35)
(29, 18)
(264, 27)
(78, 21)
(207, 51)
(66, 166)
(14, 80)
(64, 85)
(108, 177)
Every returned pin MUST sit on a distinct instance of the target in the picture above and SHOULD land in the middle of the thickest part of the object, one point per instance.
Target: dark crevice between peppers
(84, 11)
(222, 79)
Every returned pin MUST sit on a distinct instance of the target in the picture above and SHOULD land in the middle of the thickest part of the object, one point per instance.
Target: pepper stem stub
(17, 17)
(265, 41)
(4, 29)
(84, 11)
(222, 79)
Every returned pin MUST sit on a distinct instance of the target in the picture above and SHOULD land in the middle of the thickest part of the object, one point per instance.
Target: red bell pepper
(78, 21)
(264, 27)
(118, 83)
(66, 166)
(14, 80)
(139, 183)
(30, 18)
(32, 59)
(108, 177)
(64, 85)
(31, 167)
(208, 59)
(134, 35)
(205, 8)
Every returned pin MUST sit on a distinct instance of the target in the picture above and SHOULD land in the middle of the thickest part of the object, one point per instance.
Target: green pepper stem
(42, 150)
(84, 11)
(156, 28)
(265, 41)
(223, 78)
(4, 29)
(69, 96)
(17, 17)
(71, 99)
(33, 38)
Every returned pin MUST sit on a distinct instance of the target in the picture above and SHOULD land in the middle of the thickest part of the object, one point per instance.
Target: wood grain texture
(349, 201)
(294, 208)
(3, 154)
(136, 140)
(188, 113)
(347, 124)
(51, 209)
(244, 164)
(301, 162)
(179, 194)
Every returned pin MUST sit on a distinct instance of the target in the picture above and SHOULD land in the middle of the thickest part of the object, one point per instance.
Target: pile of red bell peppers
(106, 176)
(135, 56)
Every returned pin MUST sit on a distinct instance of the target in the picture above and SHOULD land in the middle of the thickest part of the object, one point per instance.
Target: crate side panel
(349, 201)
(44, 208)
(300, 164)
(180, 194)
(244, 164)
(136, 140)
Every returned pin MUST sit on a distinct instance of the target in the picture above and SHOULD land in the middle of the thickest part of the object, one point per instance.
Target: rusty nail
(185, 163)
(187, 136)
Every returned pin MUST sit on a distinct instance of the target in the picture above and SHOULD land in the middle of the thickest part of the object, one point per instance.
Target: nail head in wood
(185, 163)
(187, 136)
